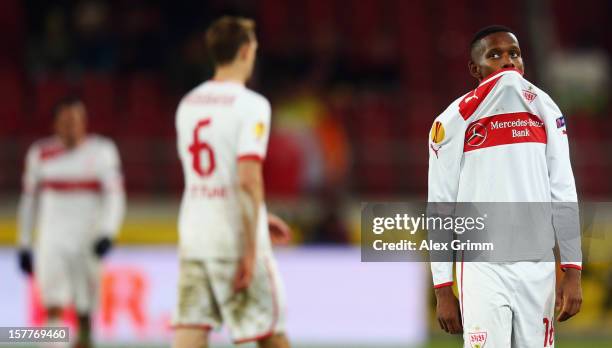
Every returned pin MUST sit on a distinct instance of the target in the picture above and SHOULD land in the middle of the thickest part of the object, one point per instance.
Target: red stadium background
(354, 87)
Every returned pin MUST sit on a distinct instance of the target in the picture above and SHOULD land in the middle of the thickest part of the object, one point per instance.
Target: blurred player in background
(227, 271)
(527, 160)
(73, 197)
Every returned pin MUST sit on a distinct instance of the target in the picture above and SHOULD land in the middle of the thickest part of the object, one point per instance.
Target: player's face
(494, 52)
(70, 124)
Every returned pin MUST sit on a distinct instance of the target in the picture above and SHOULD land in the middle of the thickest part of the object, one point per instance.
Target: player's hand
(102, 246)
(569, 295)
(280, 232)
(25, 261)
(447, 310)
(244, 273)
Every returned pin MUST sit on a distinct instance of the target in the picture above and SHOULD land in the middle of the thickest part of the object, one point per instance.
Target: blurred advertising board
(332, 297)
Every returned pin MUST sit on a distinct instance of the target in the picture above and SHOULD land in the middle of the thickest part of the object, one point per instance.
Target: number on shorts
(549, 332)
(197, 147)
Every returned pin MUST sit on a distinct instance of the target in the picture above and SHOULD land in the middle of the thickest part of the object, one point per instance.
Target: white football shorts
(507, 304)
(65, 278)
(206, 299)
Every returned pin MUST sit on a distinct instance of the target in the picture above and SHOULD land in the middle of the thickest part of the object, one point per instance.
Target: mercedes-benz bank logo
(476, 135)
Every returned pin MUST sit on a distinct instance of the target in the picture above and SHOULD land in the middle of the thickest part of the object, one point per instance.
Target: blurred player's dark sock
(25, 261)
(103, 246)
(84, 338)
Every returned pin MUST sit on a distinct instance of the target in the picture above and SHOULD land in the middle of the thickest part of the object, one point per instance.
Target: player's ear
(474, 70)
(243, 52)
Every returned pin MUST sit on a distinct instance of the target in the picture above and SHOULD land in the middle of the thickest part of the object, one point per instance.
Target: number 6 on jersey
(197, 147)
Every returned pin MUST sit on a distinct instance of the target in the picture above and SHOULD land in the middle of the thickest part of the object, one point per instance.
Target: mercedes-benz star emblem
(476, 135)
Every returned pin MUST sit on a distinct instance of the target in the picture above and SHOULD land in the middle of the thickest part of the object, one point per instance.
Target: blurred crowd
(354, 85)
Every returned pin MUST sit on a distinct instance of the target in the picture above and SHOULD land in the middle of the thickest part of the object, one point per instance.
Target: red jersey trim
(49, 152)
(443, 285)
(504, 129)
(72, 185)
(472, 100)
(250, 157)
(569, 265)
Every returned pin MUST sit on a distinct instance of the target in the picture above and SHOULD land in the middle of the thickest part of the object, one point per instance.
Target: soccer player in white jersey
(227, 271)
(73, 197)
(505, 141)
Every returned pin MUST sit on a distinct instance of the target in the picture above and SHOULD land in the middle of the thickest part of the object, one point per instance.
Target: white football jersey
(71, 196)
(505, 141)
(218, 124)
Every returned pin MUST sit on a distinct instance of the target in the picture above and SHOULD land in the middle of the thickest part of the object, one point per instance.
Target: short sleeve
(254, 131)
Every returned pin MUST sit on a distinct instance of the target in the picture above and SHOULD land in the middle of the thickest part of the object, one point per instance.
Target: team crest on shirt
(529, 95)
(260, 130)
(477, 339)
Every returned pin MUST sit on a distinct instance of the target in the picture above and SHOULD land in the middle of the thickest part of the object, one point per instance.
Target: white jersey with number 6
(218, 124)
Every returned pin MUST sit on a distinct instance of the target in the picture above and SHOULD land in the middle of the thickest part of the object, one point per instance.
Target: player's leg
(190, 337)
(84, 339)
(197, 311)
(278, 339)
(533, 305)
(255, 314)
(54, 316)
(85, 274)
(51, 278)
(274, 341)
(54, 319)
(485, 305)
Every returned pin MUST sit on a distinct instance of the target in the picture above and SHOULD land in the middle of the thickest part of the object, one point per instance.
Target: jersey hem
(569, 265)
(250, 157)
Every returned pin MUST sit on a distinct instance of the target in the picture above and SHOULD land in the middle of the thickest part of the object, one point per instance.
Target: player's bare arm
(447, 310)
(250, 181)
(569, 294)
(280, 232)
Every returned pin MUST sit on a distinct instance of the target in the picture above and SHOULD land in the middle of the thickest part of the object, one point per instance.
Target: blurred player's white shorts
(507, 304)
(67, 278)
(206, 299)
